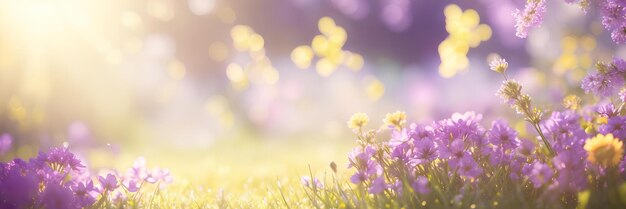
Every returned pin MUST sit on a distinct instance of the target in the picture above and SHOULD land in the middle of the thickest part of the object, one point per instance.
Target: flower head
(540, 174)
(109, 182)
(510, 91)
(396, 119)
(532, 16)
(314, 184)
(502, 135)
(499, 65)
(604, 150)
(358, 120)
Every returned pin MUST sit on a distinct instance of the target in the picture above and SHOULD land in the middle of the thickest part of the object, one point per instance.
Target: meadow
(307, 104)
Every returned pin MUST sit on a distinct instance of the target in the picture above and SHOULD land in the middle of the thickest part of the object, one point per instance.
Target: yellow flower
(358, 120)
(604, 150)
(396, 119)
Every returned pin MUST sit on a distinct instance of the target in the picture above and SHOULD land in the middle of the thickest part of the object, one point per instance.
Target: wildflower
(469, 168)
(540, 174)
(314, 184)
(502, 135)
(619, 35)
(425, 151)
(532, 16)
(526, 148)
(607, 80)
(358, 120)
(157, 174)
(602, 84)
(613, 13)
(60, 158)
(131, 186)
(396, 119)
(108, 183)
(565, 130)
(85, 194)
(604, 150)
(616, 126)
(607, 110)
(571, 102)
(499, 65)
(510, 91)
(139, 170)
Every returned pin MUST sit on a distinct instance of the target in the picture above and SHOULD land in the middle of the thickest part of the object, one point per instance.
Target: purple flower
(502, 135)
(532, 16)
(616, 126)
(61, 158)
(622, 95)
(157, 174)
(131, 186)
(455, 152)
(565, 130)
(526, 148)
(607, 80)
(378, 186)
(425, 151)
(361, 159)
(57, 197)
(108, 183)
(607, 110)
(469, 168)
(139, 170)
(316, 183)
(85, 194)
(619, 35)
(5, 143)
(418, 132)
(613, 14)
(540, 174)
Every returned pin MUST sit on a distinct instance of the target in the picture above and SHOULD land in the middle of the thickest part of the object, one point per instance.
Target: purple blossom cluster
(458, 157)
(607, 80)
(613, 14)
(614, 18)
(58, 179)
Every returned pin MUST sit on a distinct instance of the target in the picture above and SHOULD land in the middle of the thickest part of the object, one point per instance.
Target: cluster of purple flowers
(613, 16)
(58, 179)
(456, 155)
(607, 80)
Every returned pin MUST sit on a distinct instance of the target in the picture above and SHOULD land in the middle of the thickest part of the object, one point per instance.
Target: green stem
(543, 138)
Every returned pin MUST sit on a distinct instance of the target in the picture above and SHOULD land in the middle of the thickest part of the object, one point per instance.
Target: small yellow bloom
(396, 119)
(571, 102)
(358, 120)
(604, 150)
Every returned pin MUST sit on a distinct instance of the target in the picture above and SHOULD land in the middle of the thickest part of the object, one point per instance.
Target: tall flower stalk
(511, 92)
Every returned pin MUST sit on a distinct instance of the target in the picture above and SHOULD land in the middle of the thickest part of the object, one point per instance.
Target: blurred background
(223, 87)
